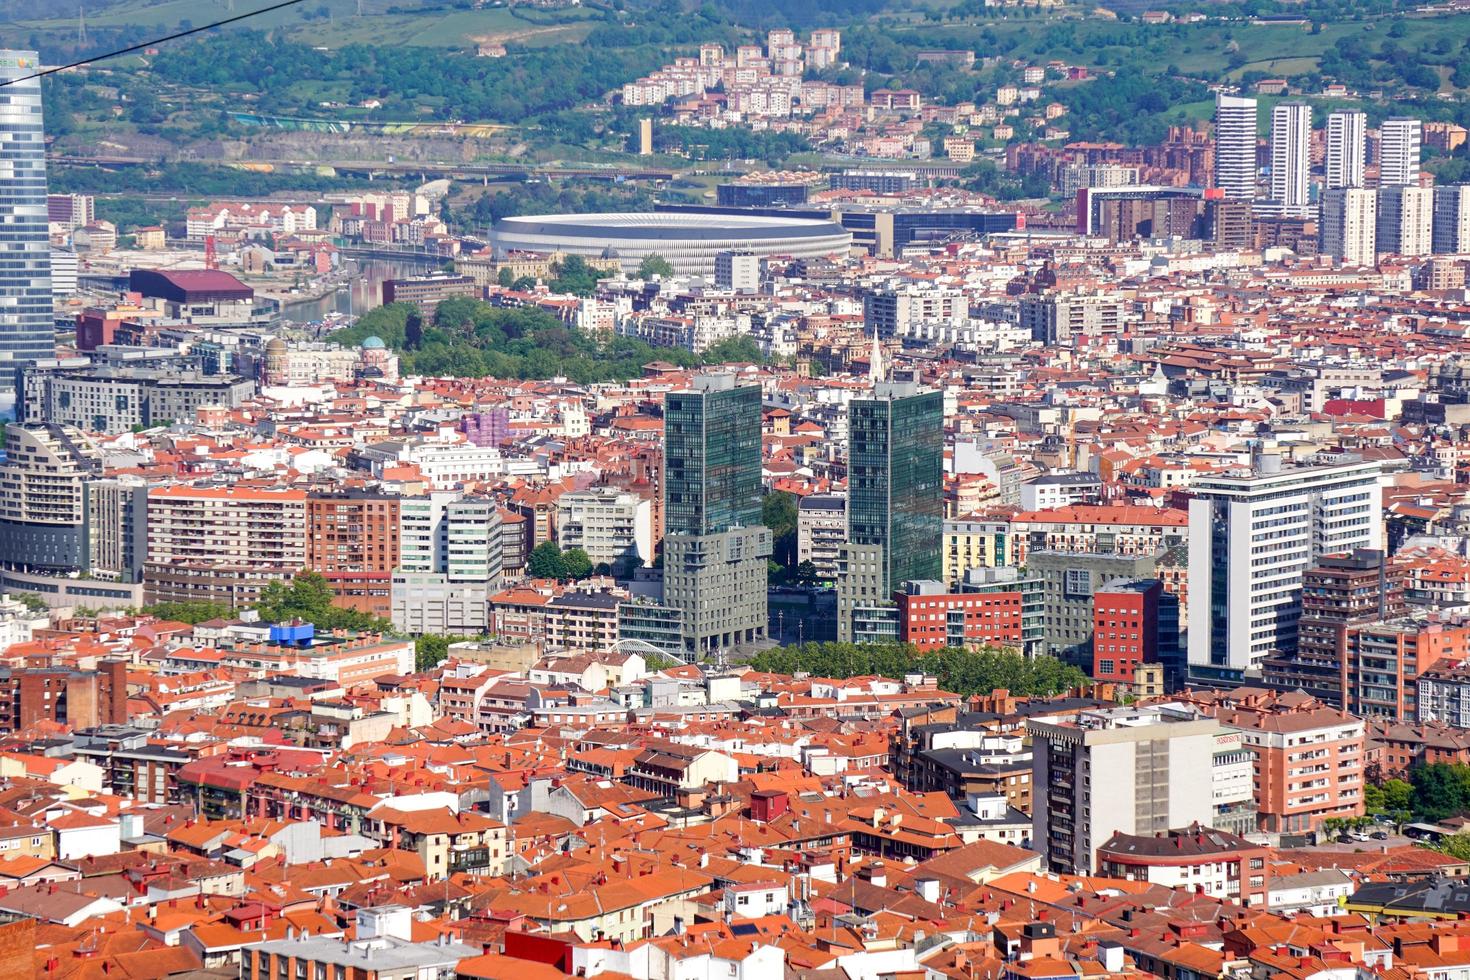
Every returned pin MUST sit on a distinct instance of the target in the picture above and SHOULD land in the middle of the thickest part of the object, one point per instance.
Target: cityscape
(866, 490)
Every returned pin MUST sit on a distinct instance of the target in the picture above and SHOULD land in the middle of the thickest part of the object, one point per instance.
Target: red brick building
(933, 619)
(352, 540)
(1125, 628)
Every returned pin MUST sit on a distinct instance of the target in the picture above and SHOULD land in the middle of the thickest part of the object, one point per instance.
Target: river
(363, 293)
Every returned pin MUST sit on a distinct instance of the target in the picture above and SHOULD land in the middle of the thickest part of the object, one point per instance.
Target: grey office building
(1069, 581)
(715, 547)
(27, 331)
(111, 399)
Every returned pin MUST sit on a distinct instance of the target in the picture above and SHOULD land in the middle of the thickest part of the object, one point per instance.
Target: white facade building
(1235, 146)
(1349, 225)
(1398, 152)
(1251, 538)
(1405, 220)
(1291, 138)
(1118, 770)
(1347, 132)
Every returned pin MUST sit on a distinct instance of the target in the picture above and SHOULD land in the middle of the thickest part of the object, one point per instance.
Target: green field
(336, 23)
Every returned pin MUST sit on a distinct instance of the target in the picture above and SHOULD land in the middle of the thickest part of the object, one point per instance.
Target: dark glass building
(896, 480)
(712, 457)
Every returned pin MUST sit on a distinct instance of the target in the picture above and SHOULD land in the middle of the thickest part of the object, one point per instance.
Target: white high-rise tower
(1235, 146)
(1347, 132)
(1291, 135)
(1398, 153)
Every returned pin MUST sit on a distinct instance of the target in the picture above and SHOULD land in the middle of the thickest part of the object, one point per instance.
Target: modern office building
(1235, 146)
(1291, 158)
(1122, 214)
(1405, 220)
(451, 559)
(1252, 539)
(1399, 141)
(43, 474)
(1349, 225)
(1070, 581)
(27, 332)
(117, 528)
(1451, 234)
(1347, 133)
(1119, 770)
(715, 547)
(895, 486)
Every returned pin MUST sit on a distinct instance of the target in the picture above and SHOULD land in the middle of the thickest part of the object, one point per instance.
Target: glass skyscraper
(715, 547)
(712, 457)
(26, 326)
(895, 480)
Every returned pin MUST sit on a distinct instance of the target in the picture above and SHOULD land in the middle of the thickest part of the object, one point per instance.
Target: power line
(149, 44)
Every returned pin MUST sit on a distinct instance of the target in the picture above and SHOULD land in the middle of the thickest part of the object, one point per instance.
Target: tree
(32, 602)
(778, 512)
(654, 265)
(505, 277)
(1392, 796)
(190, 612)
(573, 275)
(309, 597)
(547, 561)
(430, 651)
(413, 331)
(959, 670)
(578, 566)
(1441, 790)
(805, 573)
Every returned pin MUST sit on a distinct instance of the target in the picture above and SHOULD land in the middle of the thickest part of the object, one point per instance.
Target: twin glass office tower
(715, 546)
(27, 333)
(895, 480)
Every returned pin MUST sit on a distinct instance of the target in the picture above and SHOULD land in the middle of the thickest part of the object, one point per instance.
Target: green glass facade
(712, 458)
(895, 480)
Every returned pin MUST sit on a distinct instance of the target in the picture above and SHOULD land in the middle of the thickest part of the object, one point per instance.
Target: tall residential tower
(1235, 146)
(1347, 131)
(1291, 145)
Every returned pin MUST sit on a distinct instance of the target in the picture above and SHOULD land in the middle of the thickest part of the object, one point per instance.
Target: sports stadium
(688, 241)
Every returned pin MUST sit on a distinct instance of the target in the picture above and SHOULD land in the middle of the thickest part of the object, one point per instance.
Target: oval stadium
(688, 241)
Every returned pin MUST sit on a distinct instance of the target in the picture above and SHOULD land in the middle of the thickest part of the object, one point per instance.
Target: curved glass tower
(27, 333)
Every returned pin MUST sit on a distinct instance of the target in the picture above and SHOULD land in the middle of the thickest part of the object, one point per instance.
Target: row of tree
(959, 670)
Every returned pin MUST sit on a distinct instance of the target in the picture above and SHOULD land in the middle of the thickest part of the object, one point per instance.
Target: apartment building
(1136, 771)
(42, 515)
(1251, 540)
(1199, 858)
(614, 527)
(352, 539)
(222, 544)
(821, 531)
(1309, 758)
